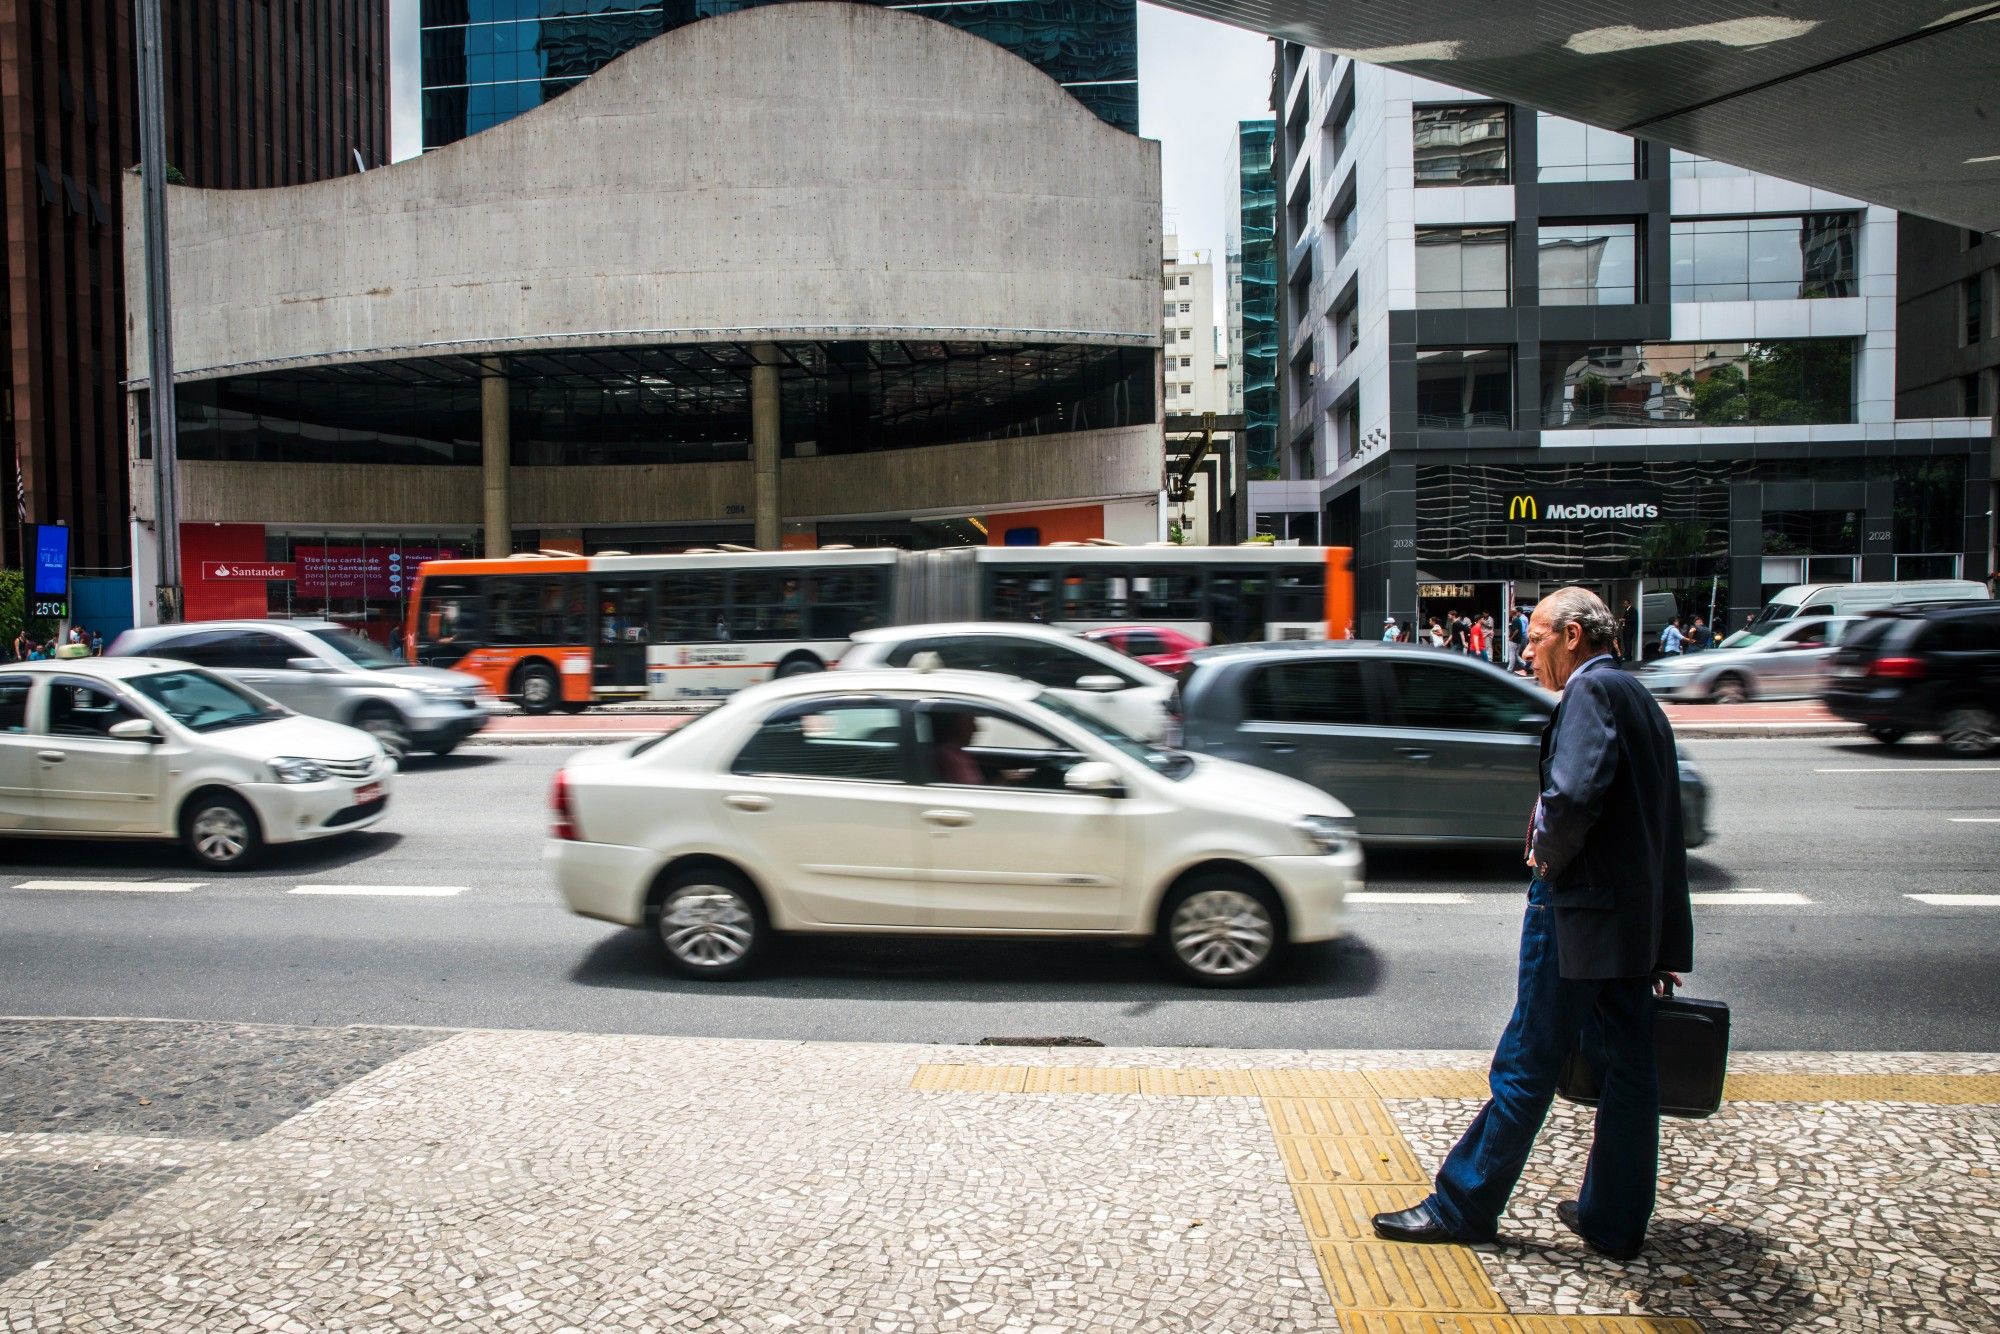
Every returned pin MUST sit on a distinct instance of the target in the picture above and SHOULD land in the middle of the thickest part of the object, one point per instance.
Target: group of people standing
(1676, 639)
(26, 648)
(1477, 636)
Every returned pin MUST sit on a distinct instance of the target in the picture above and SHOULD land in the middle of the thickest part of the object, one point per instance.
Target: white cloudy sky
(1196, 80)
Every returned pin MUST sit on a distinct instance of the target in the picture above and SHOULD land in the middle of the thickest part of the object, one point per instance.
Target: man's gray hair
(1580, 606)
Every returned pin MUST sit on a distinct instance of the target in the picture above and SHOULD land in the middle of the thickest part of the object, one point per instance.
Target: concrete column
(764, 441)
(496, 445)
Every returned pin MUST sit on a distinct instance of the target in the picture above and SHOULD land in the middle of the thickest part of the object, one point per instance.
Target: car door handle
(743, 801)
(949, 819)
(1414, 754)
(254, 680)
(50, 756)
(1280, 747)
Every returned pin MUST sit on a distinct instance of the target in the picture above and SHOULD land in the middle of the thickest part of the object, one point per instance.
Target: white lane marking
(1383, 896)
(1749, 898)
(384, 891)
(1914, 769)
(1974, 819)
(1957, 900)
(117, 886)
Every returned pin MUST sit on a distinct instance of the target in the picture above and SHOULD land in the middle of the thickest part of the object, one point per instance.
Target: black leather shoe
(1567, 1211)
(1420, 1224)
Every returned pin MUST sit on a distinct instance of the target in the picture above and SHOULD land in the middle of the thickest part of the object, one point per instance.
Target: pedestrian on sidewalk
(1475, 638)
(1671, 639)
(1608, 916)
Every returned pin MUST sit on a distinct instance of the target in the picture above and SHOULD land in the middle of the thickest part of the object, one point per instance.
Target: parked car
(324, 670)
(1932, 668)
(1158, 646)
(1093, 677)
(1772, 660)
(147, 748)
(1860, 599)
(1422, 746)
(940, 802)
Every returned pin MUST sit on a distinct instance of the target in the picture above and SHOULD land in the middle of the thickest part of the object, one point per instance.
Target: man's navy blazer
(1610, 833)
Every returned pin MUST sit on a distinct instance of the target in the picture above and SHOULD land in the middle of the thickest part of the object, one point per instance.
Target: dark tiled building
(258, 94)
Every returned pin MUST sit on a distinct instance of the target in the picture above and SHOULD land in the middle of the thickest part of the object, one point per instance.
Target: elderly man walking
(1607, 911)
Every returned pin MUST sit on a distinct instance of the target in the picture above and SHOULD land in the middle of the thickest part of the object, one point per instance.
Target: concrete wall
(799, 170)
(964, 478)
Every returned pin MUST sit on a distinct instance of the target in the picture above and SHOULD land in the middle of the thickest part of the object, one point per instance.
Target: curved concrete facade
(807, 170)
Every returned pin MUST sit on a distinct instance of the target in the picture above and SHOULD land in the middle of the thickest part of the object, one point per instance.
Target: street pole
(159, 308)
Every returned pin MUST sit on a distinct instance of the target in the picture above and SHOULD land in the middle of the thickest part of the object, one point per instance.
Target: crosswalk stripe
(384, 891)
(1957, 900)
(1913, 769)
(1749, 898)
(1385, 896)
(1975, 819)
(117, 886)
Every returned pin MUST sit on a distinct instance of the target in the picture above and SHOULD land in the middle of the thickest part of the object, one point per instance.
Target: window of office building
(1568, 151)
(1975, 308)
(1589, 264)
(1765, 259)
(1686, 166)
(1464, 389)
(1461, 144)
(1787, 382)
(1461, 266)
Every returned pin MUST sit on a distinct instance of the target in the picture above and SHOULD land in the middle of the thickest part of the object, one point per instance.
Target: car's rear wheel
(1731, 689)
(1970, 730)
(711, 923)
(1888, 736)
(220, 832)
(1221, 929)
(387, 727)
(535, 685)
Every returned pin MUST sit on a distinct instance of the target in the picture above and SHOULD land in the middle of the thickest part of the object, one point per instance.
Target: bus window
(1166, 593)
(693, 608)
(1096, 593)
(1301, 595)
(843, 601)
(766, 604)
(537, 611)
(451, 620)
(1024, 593)
(1238, 604)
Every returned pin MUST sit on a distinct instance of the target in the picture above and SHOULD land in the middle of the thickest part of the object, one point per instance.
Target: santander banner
(362, 572)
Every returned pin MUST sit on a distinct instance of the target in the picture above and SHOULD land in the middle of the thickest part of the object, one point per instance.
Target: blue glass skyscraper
(486, 61)
(1249, 248)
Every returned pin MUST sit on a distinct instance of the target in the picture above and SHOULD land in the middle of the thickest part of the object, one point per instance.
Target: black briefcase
(1690, 1048)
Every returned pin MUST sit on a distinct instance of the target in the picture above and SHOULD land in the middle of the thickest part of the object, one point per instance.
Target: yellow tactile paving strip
(1346, 1162)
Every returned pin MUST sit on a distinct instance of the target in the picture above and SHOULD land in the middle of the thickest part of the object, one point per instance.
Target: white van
(1860, 599)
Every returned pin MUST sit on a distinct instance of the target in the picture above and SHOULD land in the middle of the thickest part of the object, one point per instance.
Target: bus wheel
(802, 665)
(536, 687)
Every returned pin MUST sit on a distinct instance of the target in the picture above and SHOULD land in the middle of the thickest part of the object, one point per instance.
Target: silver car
(1422, 745)
(324, 670)
(1770, 660)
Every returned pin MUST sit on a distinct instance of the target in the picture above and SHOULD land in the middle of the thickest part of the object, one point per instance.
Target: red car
(1154, 645)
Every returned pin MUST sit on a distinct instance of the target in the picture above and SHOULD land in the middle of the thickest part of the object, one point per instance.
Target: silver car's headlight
(438, 692)
(1324, 834)
(291, 769)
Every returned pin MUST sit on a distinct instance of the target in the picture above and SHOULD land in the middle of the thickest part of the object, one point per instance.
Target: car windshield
(1745, 638)
(202, 702)
(358, 649)
(1167, 763)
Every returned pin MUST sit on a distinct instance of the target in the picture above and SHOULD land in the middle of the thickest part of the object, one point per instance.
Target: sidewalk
(207, 1176)
(613, 722)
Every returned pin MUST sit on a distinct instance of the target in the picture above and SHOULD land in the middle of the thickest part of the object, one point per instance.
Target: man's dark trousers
(1614, 1020)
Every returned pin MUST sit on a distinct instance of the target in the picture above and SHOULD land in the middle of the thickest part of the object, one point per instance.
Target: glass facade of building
(487, 61)
(1251, 255)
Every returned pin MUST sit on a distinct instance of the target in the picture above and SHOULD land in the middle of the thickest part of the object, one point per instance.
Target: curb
(1697, 732)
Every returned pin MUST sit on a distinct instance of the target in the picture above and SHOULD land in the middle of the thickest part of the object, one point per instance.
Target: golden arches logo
(1523, 507)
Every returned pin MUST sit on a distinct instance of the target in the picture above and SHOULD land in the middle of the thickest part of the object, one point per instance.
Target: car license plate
(367, 792)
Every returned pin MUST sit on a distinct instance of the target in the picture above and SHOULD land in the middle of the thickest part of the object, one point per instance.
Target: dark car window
(252, 651)
(199, 648)
(85, 708)
(850, 739)
(1326, 692)
(1057, 667)
(14, 703)
(1964, 634)
(1142, 643)
(1458, 699)
(1810, 634)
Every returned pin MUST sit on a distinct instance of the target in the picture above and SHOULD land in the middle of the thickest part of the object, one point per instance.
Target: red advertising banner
(249, 569)
(362, 572)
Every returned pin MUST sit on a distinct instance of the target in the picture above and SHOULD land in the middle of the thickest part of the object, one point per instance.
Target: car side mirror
(135, 729)
(309, 665)
(1096, 778)
(1100, 684)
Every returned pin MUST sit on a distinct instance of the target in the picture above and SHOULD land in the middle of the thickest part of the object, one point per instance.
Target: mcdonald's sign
(1584, 506)
(1523, 507)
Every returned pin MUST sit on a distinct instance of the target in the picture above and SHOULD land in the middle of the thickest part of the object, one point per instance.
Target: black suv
(1933, 668)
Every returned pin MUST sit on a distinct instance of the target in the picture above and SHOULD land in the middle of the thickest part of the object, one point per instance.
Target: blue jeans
(1614, 1022)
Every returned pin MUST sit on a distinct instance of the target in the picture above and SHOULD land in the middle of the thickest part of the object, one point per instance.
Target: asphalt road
(1833, 834)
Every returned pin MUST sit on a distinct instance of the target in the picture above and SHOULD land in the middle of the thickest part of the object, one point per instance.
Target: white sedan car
(1090, 676)
(146, 748)
(946, 803)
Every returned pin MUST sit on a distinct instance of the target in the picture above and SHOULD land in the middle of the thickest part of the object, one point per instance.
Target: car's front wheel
(1731, 689)
(1888, 736)
(1221, 929)
(220, 832)
(387, 727)
(711, 923)
(1970, 730)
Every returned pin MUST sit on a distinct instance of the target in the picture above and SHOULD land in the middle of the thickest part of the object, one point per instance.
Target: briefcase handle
(1665, 983)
